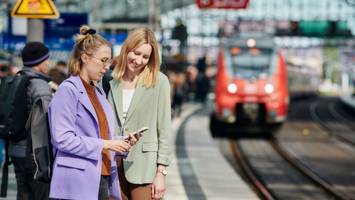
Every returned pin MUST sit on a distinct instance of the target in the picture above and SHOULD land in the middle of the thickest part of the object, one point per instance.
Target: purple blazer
(76, 141)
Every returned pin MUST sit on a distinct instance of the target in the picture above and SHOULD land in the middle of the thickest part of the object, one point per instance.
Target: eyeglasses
(106, 61)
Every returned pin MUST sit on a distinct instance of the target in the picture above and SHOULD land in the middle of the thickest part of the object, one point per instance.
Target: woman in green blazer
(140, 95)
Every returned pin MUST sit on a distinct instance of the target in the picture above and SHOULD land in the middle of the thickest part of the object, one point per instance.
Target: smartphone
(140, 131)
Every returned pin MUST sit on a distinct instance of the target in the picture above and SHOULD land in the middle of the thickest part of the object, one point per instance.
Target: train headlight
(269, 88)
(251, 42)
(232, 88)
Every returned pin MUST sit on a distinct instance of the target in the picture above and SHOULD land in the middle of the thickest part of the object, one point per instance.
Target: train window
(250, 62)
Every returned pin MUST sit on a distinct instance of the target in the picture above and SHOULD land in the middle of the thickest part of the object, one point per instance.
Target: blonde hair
(88, 41)
(136, 38)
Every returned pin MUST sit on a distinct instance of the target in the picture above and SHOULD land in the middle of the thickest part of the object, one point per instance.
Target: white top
(127, 95)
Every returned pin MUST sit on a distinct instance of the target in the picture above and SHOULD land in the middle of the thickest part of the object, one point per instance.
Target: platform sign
(66, 26)
(223, 4)
(35, 9)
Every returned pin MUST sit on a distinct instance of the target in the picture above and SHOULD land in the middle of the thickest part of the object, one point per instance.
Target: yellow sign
(35, 9)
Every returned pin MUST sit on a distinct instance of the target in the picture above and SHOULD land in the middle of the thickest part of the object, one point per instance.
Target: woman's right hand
(119, 146)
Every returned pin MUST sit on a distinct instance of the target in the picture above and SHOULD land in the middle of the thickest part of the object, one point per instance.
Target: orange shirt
(103, 126)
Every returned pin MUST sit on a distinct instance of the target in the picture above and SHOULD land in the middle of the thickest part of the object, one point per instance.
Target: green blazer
(149, 107)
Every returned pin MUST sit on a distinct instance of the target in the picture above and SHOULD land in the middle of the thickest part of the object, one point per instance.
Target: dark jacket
(38, 143)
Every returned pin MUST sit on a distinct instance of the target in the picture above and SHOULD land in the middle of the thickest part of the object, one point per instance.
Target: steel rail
(312, 176)
(258, 185)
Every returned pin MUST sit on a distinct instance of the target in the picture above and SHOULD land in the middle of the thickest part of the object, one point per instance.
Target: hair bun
(85, 30)
(91, 31)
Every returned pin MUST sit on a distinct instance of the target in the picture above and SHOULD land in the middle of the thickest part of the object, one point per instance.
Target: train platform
(199, 170)
(348, 100)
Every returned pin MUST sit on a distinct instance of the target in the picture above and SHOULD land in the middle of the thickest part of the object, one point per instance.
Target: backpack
(13, 107)
(13, 116)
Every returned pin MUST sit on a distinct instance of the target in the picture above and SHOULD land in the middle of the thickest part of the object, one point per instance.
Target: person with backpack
(31, 156)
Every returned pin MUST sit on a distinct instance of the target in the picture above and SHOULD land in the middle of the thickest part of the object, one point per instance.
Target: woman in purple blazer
(81, 121)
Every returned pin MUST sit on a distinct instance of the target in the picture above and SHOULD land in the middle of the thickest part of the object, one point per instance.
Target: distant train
(251, 89)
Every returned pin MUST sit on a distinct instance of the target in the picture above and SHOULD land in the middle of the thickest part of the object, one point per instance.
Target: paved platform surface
(199, 170)
(349, 100)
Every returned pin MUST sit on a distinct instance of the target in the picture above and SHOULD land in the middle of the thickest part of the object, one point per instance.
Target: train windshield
(249, 62)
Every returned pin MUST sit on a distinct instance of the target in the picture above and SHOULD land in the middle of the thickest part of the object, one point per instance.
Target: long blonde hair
(88, 41)
(136, 38)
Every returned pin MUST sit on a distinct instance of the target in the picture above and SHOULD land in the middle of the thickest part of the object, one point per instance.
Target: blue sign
(66, 26)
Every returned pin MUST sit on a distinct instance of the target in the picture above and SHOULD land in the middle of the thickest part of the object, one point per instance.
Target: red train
(251, 87)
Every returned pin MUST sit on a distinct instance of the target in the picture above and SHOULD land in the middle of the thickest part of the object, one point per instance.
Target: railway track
(316, 165)
(282, 176)
(326, 115)
(308, 172)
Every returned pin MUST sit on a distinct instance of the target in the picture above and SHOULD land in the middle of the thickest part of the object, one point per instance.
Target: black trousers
(104, 187)
(27, 188)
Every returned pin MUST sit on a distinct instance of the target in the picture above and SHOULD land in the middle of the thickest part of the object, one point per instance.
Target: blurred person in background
(178, 91)
(180, 33)
(58, 73)
(202, 81)
(24, 154)
(191, 76)
(140, 95)
(82, 126)
(201, 64)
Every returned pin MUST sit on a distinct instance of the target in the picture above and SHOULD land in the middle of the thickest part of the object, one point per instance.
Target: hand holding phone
(133, 138)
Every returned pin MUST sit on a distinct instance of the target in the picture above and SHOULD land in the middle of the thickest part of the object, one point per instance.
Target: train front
(251, 86)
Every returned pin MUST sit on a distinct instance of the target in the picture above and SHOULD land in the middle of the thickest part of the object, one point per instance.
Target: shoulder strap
(21, 72)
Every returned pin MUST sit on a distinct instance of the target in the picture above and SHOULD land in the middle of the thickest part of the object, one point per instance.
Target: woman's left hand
(158, 186)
